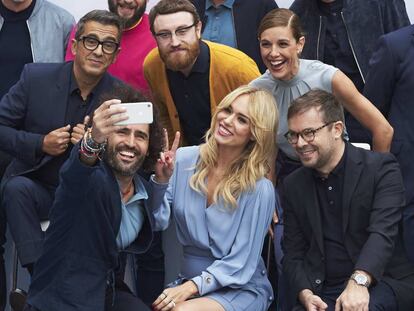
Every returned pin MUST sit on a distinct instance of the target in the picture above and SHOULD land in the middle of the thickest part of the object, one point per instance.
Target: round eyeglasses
(91, 44)
(307, 135)
(180, 33)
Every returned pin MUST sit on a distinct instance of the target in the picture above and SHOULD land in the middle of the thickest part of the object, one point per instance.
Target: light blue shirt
(133, 216)
(220, 23)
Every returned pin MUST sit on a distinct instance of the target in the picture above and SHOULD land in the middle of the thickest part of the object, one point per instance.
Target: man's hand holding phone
(104, 119)
(113, 114)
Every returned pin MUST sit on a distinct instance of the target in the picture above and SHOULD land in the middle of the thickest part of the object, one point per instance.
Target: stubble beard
(117, 167)
(128, 22)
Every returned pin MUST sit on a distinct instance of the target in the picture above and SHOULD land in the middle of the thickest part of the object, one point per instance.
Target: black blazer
(32, 108)
(247, 16)
(390, 87)
(373, 200)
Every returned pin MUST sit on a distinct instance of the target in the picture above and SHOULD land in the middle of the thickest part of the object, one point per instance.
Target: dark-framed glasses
(180, 33)
(91, 43)
(307, 135)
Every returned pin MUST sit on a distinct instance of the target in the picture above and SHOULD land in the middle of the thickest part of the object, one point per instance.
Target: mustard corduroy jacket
(229, 69)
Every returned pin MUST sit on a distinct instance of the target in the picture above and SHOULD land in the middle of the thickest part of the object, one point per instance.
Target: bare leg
(199, 304)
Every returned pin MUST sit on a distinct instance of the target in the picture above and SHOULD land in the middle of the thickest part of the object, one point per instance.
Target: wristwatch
(360, 279)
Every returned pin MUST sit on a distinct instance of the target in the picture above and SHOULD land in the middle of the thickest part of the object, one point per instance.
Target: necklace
(127, 192)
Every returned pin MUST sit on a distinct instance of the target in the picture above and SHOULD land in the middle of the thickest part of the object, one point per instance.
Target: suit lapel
(311, 204)
(59, 95)
(353, 169)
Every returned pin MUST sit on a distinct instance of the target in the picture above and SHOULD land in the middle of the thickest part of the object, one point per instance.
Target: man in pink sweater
(137, 41)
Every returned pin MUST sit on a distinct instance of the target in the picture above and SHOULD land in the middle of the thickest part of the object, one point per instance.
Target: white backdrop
(79, 7)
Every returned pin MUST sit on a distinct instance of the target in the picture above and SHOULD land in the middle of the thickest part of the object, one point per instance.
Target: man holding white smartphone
(100, 213)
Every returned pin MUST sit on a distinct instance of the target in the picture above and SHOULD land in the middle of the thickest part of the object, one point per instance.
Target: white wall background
(79, 7)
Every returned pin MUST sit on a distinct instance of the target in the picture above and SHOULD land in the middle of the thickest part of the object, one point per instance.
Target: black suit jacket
(390, 87)
(35, 106)
(372, 203)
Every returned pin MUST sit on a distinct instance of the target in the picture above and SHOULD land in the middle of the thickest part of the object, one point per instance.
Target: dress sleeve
(163, 194)
(238, 266)
(160, 204)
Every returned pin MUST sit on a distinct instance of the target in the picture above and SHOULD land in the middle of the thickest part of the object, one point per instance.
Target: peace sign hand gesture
(165, 164)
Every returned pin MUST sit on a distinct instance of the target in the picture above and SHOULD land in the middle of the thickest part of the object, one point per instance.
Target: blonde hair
(253, 162)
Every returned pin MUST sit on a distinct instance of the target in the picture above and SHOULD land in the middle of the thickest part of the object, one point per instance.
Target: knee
(16, 185)
(16, 188)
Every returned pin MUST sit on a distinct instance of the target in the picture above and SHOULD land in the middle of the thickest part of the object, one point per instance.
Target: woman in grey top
(222, 205)
(288, 77)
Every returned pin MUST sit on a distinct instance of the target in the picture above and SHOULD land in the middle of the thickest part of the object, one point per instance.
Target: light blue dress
(222, 246)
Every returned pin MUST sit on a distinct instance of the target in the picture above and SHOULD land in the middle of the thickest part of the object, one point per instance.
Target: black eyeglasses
(180, 33)
(91, 44)
(308, 135)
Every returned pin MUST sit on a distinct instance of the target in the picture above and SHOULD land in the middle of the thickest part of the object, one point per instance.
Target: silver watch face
(361, 279)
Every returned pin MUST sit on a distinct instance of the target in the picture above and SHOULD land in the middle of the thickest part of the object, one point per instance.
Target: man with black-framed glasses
(188, 77)
(342, 212)
(41, 118)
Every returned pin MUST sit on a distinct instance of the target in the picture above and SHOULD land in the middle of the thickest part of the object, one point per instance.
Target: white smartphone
(138, 113)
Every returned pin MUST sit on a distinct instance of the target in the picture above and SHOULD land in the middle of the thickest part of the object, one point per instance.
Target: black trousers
(4, 162)
(2, 267)
(26, 202)
(124, 300)
(150, 271)
(381, 298)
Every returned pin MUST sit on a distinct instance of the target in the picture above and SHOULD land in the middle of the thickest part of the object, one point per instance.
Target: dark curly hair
(127, 94)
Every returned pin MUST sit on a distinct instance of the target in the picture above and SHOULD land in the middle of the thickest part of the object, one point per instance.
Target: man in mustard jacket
(189, 77)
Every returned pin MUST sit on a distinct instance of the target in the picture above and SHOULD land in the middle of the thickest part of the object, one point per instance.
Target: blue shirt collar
(140, 191)
(227, 3)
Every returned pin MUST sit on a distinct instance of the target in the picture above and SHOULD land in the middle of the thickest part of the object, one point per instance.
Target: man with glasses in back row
(188, 77)
(41, 118)
(342, 243)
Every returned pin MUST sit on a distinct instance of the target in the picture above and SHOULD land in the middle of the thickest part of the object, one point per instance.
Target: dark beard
(175, 64)
(128, 23)
(110, 158)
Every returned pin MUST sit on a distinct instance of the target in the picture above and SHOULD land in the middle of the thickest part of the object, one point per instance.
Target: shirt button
(263, 272)
(329, 188)
(331, 202)
(318, 281)
(270, 298)
(208, 280)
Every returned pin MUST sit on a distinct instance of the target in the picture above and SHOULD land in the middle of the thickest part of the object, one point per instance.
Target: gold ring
(173, 303)
(165, 295)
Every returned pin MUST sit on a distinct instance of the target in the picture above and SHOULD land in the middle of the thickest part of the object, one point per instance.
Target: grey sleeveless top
(312, 74)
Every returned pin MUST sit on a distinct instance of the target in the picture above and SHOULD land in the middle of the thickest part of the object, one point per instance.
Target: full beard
(178, 62)
(128, 22)
(117, 166)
